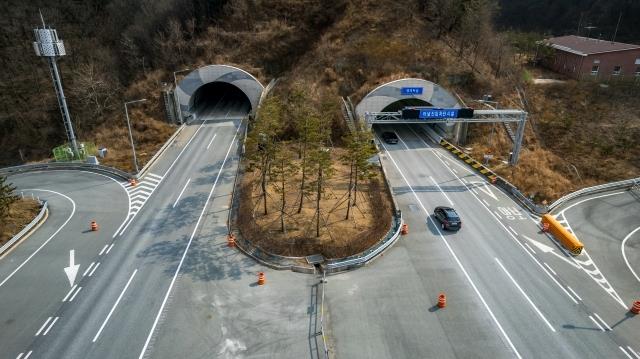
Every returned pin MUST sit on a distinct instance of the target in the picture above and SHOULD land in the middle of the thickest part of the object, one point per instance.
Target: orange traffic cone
(404, 229)
(261, 279)
(545, 227)
(94, 226)
(133, 182)
(231, 240)
(442, 300)
(635, 309)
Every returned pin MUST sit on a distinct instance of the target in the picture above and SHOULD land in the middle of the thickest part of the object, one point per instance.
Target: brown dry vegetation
(21, 212)
(369, 220)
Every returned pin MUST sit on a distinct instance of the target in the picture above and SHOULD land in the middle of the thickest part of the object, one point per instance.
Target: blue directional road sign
(438, 113)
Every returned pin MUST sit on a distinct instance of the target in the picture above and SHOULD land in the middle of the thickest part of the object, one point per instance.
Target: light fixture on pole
(133, 147)
(48, 45)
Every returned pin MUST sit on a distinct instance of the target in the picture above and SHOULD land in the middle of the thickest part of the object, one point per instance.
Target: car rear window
(452, 214)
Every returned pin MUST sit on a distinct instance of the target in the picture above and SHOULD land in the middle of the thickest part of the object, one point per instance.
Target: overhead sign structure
(431, 113)
(409, 91)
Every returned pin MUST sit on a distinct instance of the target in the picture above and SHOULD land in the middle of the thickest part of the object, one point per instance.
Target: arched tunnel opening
(220, 100)
(401, 130)
(406, 102)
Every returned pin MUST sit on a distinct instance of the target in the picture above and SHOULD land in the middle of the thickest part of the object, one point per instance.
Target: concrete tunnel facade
(225, 74)
(393, 96)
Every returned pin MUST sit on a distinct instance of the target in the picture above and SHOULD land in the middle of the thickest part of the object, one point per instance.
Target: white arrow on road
(548, 249)
(72, 269)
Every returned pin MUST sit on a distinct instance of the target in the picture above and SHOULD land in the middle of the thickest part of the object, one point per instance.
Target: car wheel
(442, 226)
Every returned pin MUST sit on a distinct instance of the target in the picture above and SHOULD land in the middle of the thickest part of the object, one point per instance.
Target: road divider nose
(568, 240)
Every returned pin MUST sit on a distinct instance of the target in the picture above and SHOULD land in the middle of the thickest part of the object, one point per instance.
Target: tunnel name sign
(408, 91)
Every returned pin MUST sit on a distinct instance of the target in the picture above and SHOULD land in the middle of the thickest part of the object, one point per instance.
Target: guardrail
(595, 189)
(7, 171)
(26, 229)
(324, 338)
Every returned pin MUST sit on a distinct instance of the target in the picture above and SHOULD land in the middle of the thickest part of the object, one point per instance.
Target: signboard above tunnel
(202, 82)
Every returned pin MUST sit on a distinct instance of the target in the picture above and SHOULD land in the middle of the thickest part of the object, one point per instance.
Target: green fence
(64, 153)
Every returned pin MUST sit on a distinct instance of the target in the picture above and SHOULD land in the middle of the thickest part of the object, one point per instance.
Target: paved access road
(506, 296)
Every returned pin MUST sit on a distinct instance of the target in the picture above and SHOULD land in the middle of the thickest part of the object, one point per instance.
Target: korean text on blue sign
(408, 91)
(435, 113)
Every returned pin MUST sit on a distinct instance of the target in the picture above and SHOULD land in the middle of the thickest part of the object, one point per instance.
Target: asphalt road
(506, 297)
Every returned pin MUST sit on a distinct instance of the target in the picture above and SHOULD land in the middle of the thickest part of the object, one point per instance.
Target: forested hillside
(563, 17)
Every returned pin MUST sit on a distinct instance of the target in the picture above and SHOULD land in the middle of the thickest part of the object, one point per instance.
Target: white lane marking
(152, 175)
(548, 249)
(497, 214)
(68, 294)
(551, 269)
(590, 199)
(19, 355)
(603, 322)
(513, 230)
(78, 291)
(441, 191)
(210, 142)
(400, 138)
(43, 325)
(485, 201)
(114, 306)
(184, 254)
(521, 245)
(88, 269)
(51, 325)
(465, 180)
(625, 353)
(624, 255)
(109, 249)
(485, 188)
(528, 246)
(633, 352)
(454, 170)
(455, 257)
(183, 149)
(574, 293)
(73, 211)
(103, 249)
(598, 324)
(472, 189)
(94, 269)
(525, 295)
(181, 192)
(28, 354)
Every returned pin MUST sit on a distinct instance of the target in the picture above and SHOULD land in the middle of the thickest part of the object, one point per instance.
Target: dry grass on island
(20, 213)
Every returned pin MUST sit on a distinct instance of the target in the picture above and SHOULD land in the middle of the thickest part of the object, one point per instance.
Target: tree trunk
(283, 201)
(264, 185)
(355, 187)
(304, 175)
(318, 200)
(349, 196)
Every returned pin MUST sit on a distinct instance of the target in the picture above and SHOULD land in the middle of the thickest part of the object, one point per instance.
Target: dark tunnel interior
(407, 102)
(220, 100)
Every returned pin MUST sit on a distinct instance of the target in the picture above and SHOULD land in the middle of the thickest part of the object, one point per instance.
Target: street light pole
(175, 93)
(133, 147)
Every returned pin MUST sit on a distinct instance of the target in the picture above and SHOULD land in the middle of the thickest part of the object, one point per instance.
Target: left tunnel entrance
(220, 100)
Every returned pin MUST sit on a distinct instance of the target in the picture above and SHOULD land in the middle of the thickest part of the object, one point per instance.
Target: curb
(29, 229)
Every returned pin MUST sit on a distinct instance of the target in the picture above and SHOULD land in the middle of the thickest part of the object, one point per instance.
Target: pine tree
(282, 169)
(7, 197)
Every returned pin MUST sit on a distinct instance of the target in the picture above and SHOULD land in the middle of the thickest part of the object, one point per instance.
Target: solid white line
(497, 214)
(184, 254)
(43, 325)
(28, 354)
(525, 295)
(181, 192)
(445, 195)
(114, 306)
(183, 149)
(68, 294)
(624, 255)
(598, 324)
(574, 293)
(603, 322)
(590, 199)
(404, 143)
(522, 246)
(19, 356)
(625, 353)
(485, 201)
(455, 257)
(513, 230)
(78, 291)
(210, 142)
(88, 269)
(551, 269)
(73, 211)
(109, 249)
(103, 249)
(94, 269)
(633, 352)
(51, 325)
(528, 246)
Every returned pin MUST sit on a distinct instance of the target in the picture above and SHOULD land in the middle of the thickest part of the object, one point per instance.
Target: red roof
(586, 46)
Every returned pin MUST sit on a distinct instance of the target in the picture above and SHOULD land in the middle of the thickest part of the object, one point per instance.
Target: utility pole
(133, 147)
(617, 26)
(48, 45)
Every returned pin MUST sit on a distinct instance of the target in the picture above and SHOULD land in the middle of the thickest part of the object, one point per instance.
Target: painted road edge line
(184, 254)
(525, 295)
(104, 323)
(181, 192)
